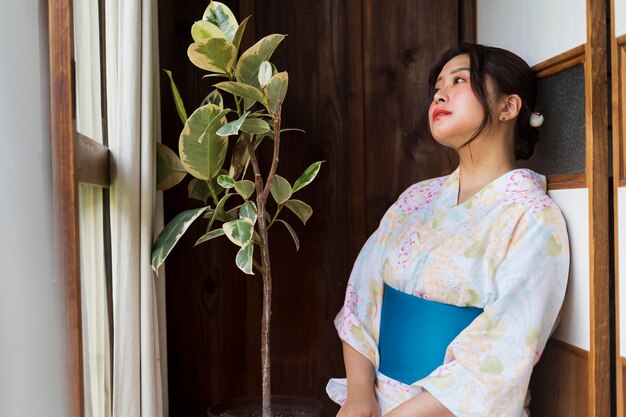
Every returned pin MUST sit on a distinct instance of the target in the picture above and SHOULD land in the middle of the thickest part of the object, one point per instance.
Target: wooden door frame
(596, 130)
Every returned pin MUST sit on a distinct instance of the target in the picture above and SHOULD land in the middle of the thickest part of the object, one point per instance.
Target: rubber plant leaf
(307, 176)
(210, 235)
(276, 90)
(170, 171)
(280, 189)
(215, 55)
(292, 232)
(300, 209)
(232, 128)
(239, 231)
(241, 90)
(171, 234)
(221, 16)
(247, 68)
(178, 101)
(203, 29)
(244, 258)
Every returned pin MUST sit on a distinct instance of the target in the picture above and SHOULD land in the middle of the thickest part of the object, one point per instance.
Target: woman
(452, 299)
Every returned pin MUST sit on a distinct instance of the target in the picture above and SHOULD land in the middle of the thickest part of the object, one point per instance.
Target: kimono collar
(510, 185)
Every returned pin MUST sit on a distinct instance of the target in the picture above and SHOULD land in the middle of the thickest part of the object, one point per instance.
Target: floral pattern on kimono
(505, 250)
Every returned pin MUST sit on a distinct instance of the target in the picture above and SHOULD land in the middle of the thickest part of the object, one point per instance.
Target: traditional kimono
(504, 250)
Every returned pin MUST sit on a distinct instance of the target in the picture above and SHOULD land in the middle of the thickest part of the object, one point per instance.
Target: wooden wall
(358, 73)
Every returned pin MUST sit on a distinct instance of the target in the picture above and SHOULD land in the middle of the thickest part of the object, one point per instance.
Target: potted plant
(237, 193)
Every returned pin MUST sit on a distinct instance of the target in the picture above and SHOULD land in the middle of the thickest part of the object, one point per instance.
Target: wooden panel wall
(358, 72)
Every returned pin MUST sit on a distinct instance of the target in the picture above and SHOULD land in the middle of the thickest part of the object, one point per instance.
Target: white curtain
(139, 365)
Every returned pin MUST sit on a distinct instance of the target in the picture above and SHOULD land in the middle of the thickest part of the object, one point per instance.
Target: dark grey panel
(561, 145)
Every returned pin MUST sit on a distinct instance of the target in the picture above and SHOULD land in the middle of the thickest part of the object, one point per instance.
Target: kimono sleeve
(487, 367)
(358, 320)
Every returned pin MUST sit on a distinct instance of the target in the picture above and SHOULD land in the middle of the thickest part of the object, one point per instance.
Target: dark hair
(509, 74)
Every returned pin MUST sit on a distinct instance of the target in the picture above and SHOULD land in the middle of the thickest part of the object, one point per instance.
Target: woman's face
(455, 113)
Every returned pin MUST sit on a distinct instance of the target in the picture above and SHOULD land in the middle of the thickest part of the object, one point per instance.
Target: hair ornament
(536, 119)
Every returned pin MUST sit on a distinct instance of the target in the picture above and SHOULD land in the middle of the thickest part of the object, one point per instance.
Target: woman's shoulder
(423, 189)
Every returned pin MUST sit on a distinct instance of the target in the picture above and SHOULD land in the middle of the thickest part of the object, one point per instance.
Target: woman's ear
(510, 107)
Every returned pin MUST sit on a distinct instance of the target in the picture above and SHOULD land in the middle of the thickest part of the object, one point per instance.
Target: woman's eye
(458, 80)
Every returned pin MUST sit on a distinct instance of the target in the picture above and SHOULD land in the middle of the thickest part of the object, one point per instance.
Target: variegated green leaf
(170, 171)
(239, 158)
(247, 68)
(293, 234)
(221, 16)
(239, 231)
(215, 55)
(232, 214)
(276, 90)
(244, 258)
(300, 209)
(171, 234)
(255, 126)
(178, 101)
(265, 73)
(202, 151)
(202, 30)
(241, 90)
(225, 181)
(214, 97)
(307, 176)
(198, 189)
(280, 189)
(210, 235)
(244, 188)
(233, 127)
(248, 211)
(218, 210)
(239, 33)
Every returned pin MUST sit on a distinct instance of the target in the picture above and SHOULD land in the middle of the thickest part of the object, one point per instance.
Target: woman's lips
(437, 113)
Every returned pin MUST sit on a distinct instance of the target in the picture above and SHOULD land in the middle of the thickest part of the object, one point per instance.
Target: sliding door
(565, 43)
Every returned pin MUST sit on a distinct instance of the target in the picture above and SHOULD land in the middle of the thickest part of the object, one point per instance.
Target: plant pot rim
(310, 405)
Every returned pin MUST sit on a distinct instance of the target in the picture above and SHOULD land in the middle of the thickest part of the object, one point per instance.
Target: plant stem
(213, 193)
(262, 192)
(267, 282)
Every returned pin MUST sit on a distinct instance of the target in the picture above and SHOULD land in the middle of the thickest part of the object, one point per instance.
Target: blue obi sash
(415, 332)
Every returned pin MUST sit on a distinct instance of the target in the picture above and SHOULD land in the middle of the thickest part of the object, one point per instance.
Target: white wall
(574, 326)
(33, 367)
(534, 29)
(620, 17)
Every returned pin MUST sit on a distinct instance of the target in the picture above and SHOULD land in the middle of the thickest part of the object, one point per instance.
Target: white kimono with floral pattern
(505, 249)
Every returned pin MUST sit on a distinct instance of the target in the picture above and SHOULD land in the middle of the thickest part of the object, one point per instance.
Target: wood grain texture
(399, 149)
(559, 383)
(65, 191)
(618, 56)
(566, 181)
(91, 161)
(596, 122)
(560, 62)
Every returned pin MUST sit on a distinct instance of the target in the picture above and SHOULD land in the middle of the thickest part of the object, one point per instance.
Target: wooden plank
(596, 122)
(559, 383)
(566, 181)
(560, 62)
(91, 161)
(399, 150)
(617, 103)
(64, 190)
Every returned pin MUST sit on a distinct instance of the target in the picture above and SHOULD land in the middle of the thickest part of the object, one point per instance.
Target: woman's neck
(480, 163)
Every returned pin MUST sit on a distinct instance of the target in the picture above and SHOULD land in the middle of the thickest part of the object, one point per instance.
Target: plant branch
(274, 165)
(216, 200)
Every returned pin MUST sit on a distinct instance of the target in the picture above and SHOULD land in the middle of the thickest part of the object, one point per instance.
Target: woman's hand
(360, 405)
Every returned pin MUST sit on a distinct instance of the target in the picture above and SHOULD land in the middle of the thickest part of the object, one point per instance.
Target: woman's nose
(439, 97)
